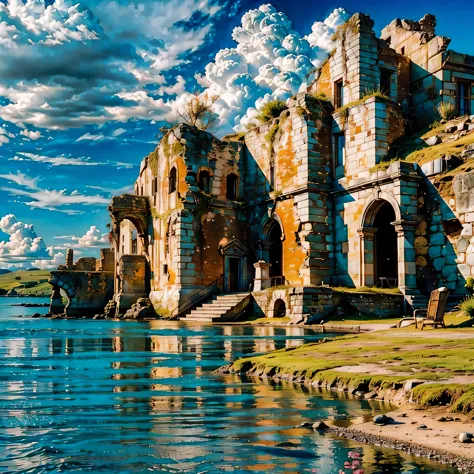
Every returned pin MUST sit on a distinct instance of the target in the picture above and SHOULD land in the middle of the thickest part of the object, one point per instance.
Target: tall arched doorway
(379, 245)
(275, 250)
(386, 261)
(272, 245)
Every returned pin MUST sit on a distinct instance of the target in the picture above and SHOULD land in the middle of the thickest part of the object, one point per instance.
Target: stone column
(262, 279)
(406, 254)
(70, 259)
(367, 256)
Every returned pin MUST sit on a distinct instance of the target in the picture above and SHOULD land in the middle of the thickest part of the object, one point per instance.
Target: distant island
(32, 282)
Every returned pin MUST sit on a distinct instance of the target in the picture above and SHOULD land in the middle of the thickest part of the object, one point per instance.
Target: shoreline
(438, 441)
(427, 376)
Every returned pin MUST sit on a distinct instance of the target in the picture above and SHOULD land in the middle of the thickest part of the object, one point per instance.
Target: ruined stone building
(323, 196)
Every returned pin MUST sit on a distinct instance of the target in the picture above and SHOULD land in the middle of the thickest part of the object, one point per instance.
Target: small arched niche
(279, 309)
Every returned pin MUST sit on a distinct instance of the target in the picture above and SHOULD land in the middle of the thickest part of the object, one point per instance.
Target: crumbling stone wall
(445, 237)
(397, 185)
(434, 69)
(87, 291)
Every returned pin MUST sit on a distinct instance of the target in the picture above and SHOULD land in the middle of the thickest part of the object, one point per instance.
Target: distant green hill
(26, 282)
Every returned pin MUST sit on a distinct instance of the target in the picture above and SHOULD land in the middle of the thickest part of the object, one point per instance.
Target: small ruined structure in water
(270, 219)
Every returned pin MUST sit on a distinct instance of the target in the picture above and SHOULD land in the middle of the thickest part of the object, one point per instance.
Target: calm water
(110, 397)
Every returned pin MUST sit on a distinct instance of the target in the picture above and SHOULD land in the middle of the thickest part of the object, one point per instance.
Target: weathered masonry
(322, 196)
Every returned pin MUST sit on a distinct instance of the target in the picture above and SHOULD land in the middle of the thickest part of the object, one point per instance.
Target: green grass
(425, 155)
(9, 281)
(407, 355)
(367, 289)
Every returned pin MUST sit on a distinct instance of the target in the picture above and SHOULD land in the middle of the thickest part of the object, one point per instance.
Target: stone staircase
(421, 301)
(220, 309)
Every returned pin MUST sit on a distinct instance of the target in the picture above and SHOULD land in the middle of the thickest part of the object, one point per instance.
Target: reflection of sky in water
(95, 396)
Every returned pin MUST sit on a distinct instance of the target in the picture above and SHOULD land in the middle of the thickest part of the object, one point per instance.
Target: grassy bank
(26, 282)
(381, 362)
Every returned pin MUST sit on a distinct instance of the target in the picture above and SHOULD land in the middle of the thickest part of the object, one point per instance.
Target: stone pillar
(262, 276)
(70, 259)
(56, 305)
(367, 257)
(406, 255)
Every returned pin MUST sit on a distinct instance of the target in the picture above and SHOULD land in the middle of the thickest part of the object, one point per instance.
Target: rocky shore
(430, 432)
(458, 461)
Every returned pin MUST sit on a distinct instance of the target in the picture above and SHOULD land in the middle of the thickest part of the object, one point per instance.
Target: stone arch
(398, 239)
(57, 305)
(373, 204)
(136, 210)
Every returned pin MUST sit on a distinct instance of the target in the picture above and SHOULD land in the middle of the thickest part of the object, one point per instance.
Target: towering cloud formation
(271, 61)
(24, 248)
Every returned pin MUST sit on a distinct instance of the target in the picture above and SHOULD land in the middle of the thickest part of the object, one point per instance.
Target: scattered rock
(382, 420)
(450, 128)
(422, 427)
(36, 315)
(411, 384)
(370, 395)
(320, 426)
(434, 140)
(306, 424)
(468, 151)
(140, 310)
(465, 437)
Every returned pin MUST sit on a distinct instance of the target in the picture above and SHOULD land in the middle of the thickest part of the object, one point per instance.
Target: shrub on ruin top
(271, 110)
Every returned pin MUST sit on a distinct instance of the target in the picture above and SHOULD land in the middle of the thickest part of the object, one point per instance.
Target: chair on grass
(434, 314)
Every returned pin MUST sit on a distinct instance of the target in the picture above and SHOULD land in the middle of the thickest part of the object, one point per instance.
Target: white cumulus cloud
(270, 61)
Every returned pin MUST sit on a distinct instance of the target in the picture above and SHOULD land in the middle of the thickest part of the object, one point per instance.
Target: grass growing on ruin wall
(432, 358)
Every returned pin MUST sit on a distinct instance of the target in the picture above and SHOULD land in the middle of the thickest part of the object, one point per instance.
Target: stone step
(200, 320)
(215, 311)
(204, 316)
(222, 309)
(238, 296)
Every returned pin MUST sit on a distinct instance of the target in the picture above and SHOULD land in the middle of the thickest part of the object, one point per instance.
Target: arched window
(172, 181)
(204, 181)
(231, 187)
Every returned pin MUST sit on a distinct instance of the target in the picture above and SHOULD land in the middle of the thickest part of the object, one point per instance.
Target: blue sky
(85, 86)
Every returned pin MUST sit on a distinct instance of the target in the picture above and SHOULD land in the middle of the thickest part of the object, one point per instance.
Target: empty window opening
(172, 180)
(204, 182)
(338, 94)
(340, 149)
(165, 269)
(385, 82)
(134, 240)
(463, 93)
(231, 187)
